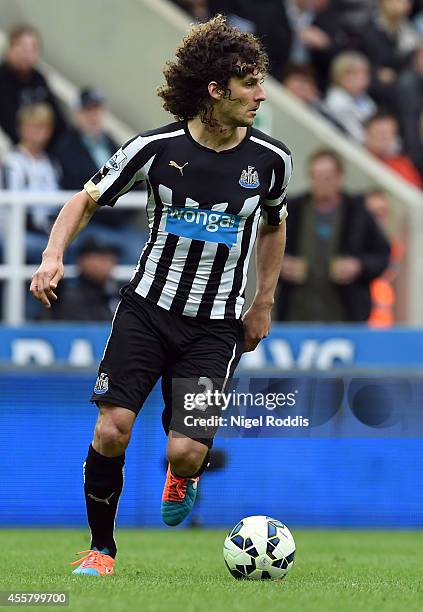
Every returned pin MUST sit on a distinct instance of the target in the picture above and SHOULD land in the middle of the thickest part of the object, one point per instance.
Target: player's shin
(103, 483)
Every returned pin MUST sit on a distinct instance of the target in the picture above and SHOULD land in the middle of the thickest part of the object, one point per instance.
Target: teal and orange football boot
(95, 563)
(178, 498)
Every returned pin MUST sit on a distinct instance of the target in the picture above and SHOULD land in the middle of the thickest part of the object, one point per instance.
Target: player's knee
(111, 435)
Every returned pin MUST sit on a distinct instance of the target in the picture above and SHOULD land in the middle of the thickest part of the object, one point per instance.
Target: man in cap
(85, 147)
(95, 294)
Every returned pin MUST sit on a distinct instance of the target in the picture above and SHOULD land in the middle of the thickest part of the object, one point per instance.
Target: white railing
(14, 272)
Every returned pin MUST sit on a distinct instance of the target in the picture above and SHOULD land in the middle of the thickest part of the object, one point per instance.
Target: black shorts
(148, 342)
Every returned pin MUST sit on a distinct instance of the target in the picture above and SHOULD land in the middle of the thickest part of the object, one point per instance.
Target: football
(259, 548)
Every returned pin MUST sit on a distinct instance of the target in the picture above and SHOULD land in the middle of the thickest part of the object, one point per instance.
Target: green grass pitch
(183, 570)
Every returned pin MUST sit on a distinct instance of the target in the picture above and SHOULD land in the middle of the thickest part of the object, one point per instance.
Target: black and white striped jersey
(203, 210)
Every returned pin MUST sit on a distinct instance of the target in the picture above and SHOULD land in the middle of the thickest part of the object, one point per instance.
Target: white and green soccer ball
(259, 548)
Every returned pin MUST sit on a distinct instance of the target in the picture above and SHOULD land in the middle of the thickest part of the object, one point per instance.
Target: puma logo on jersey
(173, 164)
(105, 501)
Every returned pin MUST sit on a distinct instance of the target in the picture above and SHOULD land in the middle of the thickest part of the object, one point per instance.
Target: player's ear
(215, 90)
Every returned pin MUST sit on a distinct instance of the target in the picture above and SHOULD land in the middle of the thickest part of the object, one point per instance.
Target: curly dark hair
(211, 51)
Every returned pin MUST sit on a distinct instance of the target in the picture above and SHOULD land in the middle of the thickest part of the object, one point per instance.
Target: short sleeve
(274, 207)
(126, 168)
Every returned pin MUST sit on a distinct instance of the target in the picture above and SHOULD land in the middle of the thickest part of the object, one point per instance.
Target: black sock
(103, 483)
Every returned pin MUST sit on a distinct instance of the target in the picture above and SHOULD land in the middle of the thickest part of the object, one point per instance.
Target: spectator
(388, 40)
(355, 13)
(28, 167)
(21, 84)
(382, 140)
(418, 157)
(85, 146)
(95, 294)
(317, 35)
(269, 22)
(333, 250)
(299, 79)
(418, 17)
(199, 9)
(347, 99)
(382, 289)
(83, 149)
(409, 98)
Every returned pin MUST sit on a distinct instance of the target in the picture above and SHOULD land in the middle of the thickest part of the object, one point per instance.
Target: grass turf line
(183, 570)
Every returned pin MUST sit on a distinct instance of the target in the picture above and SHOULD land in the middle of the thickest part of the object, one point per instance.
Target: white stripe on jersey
(288, 168)
(111, 328)
(272, 147)
(227, 278)
(228, 369)
(272, 182)
(177, 266)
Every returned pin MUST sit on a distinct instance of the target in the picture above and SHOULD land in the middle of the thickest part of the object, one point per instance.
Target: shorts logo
(116, 161)
(102, 384)
(205, 225)
(249, 178)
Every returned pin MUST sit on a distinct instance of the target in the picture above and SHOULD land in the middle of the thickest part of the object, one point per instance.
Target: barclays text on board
(287, 347)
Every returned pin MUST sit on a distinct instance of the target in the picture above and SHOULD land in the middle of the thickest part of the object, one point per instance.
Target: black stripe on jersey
(101, 174)
(187, 277)
(213, 283)
(104, 171)
(280, 178)
(158, 211)
(239, 269)
(272, 216)
(111, 195)
(162, 269)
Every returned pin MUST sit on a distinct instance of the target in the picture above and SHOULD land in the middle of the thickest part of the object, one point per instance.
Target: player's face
(240, 108)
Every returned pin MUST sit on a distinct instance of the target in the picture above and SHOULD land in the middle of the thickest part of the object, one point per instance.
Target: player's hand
(257, 323)
(345, 270)
(46, 279)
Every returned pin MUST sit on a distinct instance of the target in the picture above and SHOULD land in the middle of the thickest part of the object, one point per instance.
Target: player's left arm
(270, 248)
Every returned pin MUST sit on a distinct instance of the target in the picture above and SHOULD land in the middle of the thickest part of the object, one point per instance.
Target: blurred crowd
(358, 63)
(56, 148)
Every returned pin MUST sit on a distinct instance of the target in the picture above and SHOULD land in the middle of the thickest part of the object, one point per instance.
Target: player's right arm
(125, 169)
(72, 218)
